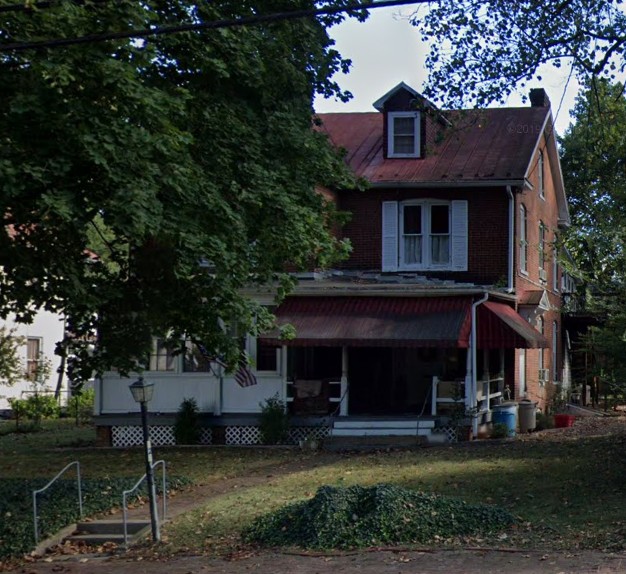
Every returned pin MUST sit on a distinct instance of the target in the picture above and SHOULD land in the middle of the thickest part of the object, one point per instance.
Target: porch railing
(453, 392)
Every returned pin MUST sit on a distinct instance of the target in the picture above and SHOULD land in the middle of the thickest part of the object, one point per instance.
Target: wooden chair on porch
(310, 397)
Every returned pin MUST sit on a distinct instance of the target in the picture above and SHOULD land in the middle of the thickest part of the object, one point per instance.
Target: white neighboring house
(40, 339)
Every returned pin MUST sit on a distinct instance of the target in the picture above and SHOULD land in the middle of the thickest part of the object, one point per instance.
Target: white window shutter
(390, 236)
(459, 235)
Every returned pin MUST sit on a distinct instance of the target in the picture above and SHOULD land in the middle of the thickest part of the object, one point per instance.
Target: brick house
(452, 291)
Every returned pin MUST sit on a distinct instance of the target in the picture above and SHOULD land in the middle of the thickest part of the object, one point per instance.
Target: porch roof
(500, 326)
(400, 322)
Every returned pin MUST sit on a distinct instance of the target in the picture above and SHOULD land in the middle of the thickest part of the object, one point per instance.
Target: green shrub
(274, 423)
(187, 423)
(499, 430)
(81, 406)
(35, 408)
(357, 517)
(544, 422)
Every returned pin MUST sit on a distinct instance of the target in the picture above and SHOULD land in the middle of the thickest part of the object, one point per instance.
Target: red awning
(375, 321)
(501, 327)
(402, 322)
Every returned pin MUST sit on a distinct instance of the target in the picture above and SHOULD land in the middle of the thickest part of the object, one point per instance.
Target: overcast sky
(386, 50)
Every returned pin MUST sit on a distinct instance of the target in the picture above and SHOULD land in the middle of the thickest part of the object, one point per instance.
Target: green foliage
(11, 368)
(357, 517)
(544, 421)
(499, 430)
(154, 156)
(187, 423)
(57, 507)
(274, 424)
(80, 406)
(592, 157)
(480, 51)
(35, 408)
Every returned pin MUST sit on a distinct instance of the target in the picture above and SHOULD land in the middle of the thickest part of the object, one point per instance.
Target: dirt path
(373, 562)
(392, 561)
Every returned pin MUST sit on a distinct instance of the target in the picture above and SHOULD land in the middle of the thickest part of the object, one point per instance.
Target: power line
(225, 23)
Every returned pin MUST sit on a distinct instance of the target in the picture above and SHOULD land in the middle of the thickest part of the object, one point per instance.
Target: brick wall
(487, 226)
(545, 210)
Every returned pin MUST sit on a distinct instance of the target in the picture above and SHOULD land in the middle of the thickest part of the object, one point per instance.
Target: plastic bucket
(507, 415)
(563, 421)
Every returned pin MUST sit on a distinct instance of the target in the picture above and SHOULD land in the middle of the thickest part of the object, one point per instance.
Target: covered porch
(400, 357)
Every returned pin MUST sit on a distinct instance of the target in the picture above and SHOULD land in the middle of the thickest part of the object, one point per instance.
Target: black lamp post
(142, 393)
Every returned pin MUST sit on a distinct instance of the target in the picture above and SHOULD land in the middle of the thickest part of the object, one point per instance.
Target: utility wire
(226, 23)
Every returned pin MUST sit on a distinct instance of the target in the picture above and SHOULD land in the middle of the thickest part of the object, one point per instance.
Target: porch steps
(383, 428)
(101, 531)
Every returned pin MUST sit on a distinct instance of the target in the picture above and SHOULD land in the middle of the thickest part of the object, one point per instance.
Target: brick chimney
(539, 98)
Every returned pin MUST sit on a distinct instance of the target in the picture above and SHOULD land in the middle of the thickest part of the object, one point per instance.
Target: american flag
(244, 376)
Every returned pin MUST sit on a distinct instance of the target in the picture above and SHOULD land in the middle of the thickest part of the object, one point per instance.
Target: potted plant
(310, 442)
(562, 416)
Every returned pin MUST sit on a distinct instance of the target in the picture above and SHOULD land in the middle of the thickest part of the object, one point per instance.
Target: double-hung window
(541, 175)
(33, 358)
(542, 252)
(403, 134)
(523, 240)
(425, 235)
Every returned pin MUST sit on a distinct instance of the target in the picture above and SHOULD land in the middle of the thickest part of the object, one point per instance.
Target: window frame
(426, 235)
(541, 245)
(541, 179)
(391, 134)
(523, 240)
(540, 358)
(555, 334)
(33, 363)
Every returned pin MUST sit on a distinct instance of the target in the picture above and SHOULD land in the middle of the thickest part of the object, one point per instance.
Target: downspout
(510, 288)
(471, 397)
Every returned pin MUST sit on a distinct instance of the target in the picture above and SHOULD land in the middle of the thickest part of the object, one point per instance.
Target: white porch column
(219, 389)
(283, 371)
(343, 406)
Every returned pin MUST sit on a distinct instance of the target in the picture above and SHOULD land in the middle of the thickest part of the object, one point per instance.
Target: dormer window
(403, 134)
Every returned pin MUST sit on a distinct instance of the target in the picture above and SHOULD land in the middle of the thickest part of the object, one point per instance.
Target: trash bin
(506, 413)
(527, 415)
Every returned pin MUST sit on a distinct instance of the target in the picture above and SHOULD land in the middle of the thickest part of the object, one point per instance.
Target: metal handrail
(39, 491)
(134, 488)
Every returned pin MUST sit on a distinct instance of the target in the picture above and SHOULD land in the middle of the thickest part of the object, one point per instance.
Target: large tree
(593, 158)
(145, 182)
(482, 50)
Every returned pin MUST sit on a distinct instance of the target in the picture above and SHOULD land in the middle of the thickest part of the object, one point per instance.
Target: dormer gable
(404, 124)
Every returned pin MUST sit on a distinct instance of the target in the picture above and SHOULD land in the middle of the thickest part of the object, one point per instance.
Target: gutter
(446, 184)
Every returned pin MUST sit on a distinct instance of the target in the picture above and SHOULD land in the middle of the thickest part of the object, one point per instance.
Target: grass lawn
(567, 494)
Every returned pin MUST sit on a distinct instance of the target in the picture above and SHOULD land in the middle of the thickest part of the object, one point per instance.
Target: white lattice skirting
(123, 436)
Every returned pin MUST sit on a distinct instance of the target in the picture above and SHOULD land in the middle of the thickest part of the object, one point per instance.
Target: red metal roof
(480, 146)
(377, 321)
(401, 322)
(500, 326)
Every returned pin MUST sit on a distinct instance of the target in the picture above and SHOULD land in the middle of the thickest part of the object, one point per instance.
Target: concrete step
(384, 424)
(390, 432)
(98, 532)
(97, 539)
(111, 526)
